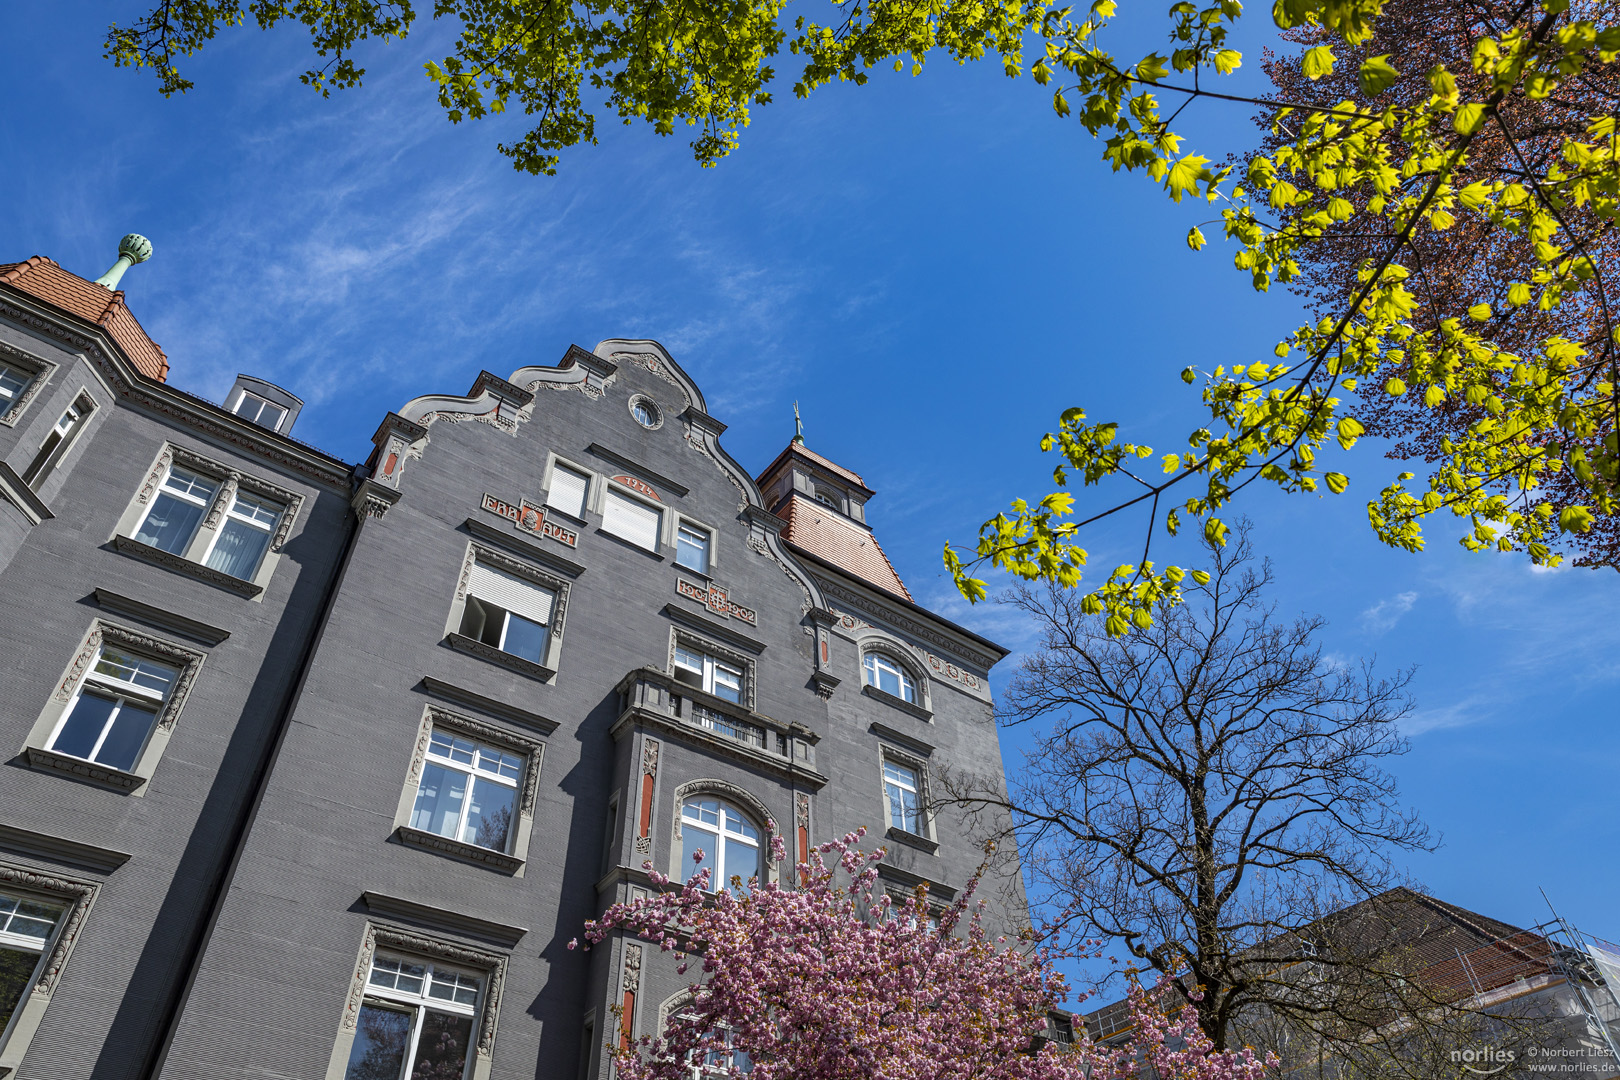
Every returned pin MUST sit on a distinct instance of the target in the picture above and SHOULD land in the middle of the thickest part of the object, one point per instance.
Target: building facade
(318, 767)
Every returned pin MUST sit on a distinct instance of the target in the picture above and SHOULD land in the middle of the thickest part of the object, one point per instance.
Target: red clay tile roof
(43, 279)
(830, 536)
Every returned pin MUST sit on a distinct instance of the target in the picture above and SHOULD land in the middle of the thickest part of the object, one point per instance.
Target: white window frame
(228, 484)
(686, 524)
(445, 759)
(187, 496)
(124, 693)
(531, 753)
(35, 372)
(493, 559)
(418, 1004)
(263, 403)
(248, 520)
(26, 943)
(80, 669)
(871, 658)
(65, 433)
(760, 841)
(414, 946)
(10, 397)
(888, 756)
(902, 785)
(75, 898)
(573, 467)
(706, 670)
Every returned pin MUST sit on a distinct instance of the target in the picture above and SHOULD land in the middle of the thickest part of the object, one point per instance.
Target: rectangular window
(630, 520)
(468, 791)
(12, 383)
(568, 488)
(111, 715)
(244, 536)
(507, 613)
(415, 1023)
(257, 410)
(26, 926)
(901, 789)
(176, 511)
(58, 442)
(692, 547)
(713, 676)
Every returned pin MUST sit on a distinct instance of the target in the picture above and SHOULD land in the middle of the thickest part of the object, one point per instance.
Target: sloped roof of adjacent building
(44, 279)
(835, 539)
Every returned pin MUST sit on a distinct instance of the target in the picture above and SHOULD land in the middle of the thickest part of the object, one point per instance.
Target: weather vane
(798, 425)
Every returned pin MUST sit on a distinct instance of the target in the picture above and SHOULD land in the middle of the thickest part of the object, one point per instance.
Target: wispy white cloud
(1457, 714)
(1382, 616)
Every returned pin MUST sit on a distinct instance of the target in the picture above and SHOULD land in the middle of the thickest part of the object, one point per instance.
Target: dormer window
(263, 404)
(827, 498)
(255, 409)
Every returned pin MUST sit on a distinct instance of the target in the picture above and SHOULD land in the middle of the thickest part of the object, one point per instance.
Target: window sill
(898, 702)
(457, 849)
(80, 769)
(206, 574)
(527, 668)
(631, 544)
(921, 843)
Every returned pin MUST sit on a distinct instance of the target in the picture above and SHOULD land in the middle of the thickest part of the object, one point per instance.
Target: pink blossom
(838, 982)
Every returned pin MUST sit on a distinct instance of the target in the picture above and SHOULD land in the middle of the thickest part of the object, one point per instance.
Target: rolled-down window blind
(512, 593)
(567, 491)
(624, 517)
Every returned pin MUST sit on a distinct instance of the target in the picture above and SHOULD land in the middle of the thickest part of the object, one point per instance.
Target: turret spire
(132, 249)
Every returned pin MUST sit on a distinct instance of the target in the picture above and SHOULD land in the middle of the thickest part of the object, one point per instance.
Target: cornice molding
(472, 700)
(483, 530)
(163, 619)
(718, 745)
(22, 496)
(633, 466)
(202, 417)
(907, 620)
(59, 849)
(455, 922)
(909, 742)
(693, 620)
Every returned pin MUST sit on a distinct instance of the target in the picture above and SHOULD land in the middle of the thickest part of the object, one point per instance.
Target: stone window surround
(500, 560)
(742, 799)
(39, 371)
(926, 841)
(678, 518)
(593, 485)
(186, 660)
(532, 750)
(598, 504)
(897, 651)
(491, 965)
(680, 635)
(190, 563)
(77, 896)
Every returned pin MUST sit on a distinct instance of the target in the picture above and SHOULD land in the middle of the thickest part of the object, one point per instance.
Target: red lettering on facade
(640, 487)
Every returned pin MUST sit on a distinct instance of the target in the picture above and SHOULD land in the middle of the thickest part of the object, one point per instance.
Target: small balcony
(654, 698)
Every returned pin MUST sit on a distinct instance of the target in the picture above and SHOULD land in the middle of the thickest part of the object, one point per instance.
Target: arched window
(888, 675)
(826, 497)
(718, 1060)
(728, 840)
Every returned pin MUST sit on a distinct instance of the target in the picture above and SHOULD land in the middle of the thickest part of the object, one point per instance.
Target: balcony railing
(721, 724)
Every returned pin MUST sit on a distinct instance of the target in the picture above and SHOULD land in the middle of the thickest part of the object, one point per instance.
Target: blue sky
(932, 267)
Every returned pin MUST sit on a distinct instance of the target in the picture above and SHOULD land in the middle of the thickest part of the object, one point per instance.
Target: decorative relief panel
(530, 518)
(188, 662)
(715, 598)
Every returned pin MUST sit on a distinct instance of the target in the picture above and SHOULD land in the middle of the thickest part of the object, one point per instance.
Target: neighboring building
(1542, 1000)
(318, 767)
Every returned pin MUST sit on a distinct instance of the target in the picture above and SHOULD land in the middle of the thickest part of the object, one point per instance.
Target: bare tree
(1209, 786)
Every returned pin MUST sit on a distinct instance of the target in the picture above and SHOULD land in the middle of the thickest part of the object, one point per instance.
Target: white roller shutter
(512, 593)
(567, 491)
(628, 519)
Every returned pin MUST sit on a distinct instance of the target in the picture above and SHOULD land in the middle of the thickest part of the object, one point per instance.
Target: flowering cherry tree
(837, 982)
